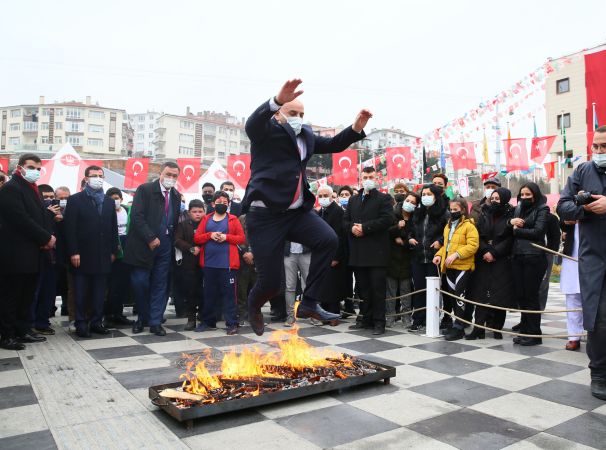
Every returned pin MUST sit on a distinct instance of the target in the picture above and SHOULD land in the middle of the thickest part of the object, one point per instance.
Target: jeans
(220, 289)
(294, 264)
(528, 272)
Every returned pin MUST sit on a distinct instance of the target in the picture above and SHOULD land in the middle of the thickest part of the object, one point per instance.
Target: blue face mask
(296, 123)
(343, 201)
(599, 159)
(408, 207)
(31, 175)
(428, 200)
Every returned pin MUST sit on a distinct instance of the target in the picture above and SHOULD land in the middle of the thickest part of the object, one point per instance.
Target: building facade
(144, 132)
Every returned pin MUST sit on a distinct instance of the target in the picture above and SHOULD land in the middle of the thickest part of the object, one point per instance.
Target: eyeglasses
(601, 146)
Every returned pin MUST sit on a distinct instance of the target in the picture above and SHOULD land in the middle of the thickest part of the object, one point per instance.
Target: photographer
(584, 199)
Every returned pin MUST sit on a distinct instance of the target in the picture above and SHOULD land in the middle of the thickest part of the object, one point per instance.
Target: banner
(4, 162)
(463, 184)
(189, 175)
(550, 170)
(463, 156)
(398, 160)
(540, 148)
(238, 168)
(516, 155)
(46, 171)
(135, 172)
(595, 83)
(84, 163)
(345, 167)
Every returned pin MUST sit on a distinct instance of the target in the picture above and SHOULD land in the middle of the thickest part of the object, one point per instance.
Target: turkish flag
(135, 172)
(238, 168)
(189, 175)
(345, 167)
(540, 148)
(46, 171)
(589, 145)
(550, 170)
(516, 155)
(398, 161)
(4, 162)
(463, 156)
(486, 176)
(84, 163)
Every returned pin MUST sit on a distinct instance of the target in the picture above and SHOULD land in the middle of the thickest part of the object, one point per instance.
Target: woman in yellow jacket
(456, 261)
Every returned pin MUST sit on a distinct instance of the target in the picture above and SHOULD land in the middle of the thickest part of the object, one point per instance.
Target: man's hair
(207, 184)
(82, 183)
(170, 165)
(346, 188)
(63, 188)
(400, 186)
(114, 191)
(45, 188)
(226, 183)
(601, 129)
(369, 169)
(441, 175)
(2, 178)
(220, 194)
(28, 157)
(326, 187)
(463, 204)
(90, 168)
(196, 203)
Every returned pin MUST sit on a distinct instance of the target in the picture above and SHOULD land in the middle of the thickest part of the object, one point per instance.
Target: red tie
(166, 201)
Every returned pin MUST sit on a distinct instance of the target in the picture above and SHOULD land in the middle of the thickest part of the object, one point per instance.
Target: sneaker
(46, 331)
(416, 328)
(317, 323)
(243, 323)
(203, 327)
(389, 323)
(232, 330)
(290, 321)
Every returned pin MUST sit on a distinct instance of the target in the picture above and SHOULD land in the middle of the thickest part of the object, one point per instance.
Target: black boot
(476, 333)
(191, 324)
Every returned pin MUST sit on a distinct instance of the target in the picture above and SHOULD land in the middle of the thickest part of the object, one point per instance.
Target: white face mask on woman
(428, 200)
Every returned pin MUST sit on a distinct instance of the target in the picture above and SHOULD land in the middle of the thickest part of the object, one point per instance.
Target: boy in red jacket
(219, 235)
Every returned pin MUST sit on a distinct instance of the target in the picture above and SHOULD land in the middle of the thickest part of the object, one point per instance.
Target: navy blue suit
(276, 169)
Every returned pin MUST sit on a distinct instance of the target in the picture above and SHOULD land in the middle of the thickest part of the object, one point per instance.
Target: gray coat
(592, 232)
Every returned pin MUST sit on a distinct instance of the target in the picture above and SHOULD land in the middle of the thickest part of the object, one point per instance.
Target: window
(150, 117)
(221, 130)
(233, 144)
(141, 118)
(233, 132)
(14, 141)
(58, 111)
(44, 126)
(140, 136)
(221, 154)
(96, 115)
(46, 112)
(151, 126)
(186, 150)
(15, 127)
(30, 126)
(566, 121)
(563, 86)
(95, 142)
(210, 129)
(186, 138)
(73, 113)
(75, 127)
(58, 125)
(95, 128)
(45, 140)
(58, 140)
(141, 127)
(222, 143)
(15, 113)
(150, 135)
(74, 140)
(186, 125)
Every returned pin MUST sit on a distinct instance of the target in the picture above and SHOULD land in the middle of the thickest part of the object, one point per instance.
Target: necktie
(166, 202)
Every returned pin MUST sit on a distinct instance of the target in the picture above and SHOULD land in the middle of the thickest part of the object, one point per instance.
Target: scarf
(97, 196)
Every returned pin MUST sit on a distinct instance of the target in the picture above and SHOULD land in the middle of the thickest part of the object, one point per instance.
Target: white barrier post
(432, 313)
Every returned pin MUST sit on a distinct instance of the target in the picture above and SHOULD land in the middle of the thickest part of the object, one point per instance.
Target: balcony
(30, 127)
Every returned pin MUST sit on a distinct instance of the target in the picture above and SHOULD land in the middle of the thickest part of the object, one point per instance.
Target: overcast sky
(415, 64)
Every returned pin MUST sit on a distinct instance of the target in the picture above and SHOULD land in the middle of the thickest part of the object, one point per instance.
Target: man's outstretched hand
(288, 92)
(361, 120)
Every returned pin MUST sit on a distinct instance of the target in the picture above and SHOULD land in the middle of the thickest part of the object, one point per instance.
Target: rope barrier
(454, 317)
(529, 311)
(412, 311)
(388, 299)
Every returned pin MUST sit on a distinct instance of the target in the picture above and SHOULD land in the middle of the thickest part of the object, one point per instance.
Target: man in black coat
(153, 220)
(235, 208)
(367, 220)
(91, 233)
(24, 232)
(278, 201)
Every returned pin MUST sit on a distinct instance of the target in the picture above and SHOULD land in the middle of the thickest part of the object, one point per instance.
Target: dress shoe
(573, 345)
(278, 318)
(231, 331)
(446, 323)
(516, 327)
(11, 344)
(497, 335)
(416, 328)
(360, 326)
(190, 325)
(48, 331)
(598, 389)
(529, 341)
(378, 329)
(122, 320)
(476, 333)
(138, 327)
(315, 311)
(517, 339)
(30, 338)
(158, 330)
(255, 317)
(454, 334)
(99, 329)
(83, 332)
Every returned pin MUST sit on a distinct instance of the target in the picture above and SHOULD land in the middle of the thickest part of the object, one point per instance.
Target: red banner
(238, 168)
(540, 148)
(189, 175)
(4, 162)
(516, 155)
(84, 163)
(550, 170)
(595, 83)
(46, 171)
(463, 156)
(486, 176)
(398, 160)
(135, 172)
(345, 167)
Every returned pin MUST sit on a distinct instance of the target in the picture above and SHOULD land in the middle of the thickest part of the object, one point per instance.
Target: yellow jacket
(465, 241)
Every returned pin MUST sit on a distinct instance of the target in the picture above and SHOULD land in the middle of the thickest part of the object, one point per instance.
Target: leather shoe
(360, 326)
(528, 341)
(573, 345)
(99, 329)
(598, 389)
(11, 344)
(158, 330)
(121, 320)
(83, 332)
(378, 329)
(315, 311)
(30, 338)
(255, 318)
(454, 334)
(138, 327)
(516, 327)
(517, 339)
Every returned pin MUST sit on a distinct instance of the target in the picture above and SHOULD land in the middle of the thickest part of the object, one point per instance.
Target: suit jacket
(276, 165)
(91, 235)
(333, 216)
(376, 216)
(146, 215)
(24, 227)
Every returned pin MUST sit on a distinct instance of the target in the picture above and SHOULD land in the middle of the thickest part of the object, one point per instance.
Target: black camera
(584, 198)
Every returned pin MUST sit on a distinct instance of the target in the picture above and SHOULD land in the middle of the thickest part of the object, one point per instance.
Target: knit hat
(492, 180)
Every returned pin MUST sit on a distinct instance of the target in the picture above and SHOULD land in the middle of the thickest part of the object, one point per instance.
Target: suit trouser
(528, 272)
(96, 284)
(16, 297)
(493, 318)
(119, 288)
(372, 282)
(151, 286)
(596, 340)
(293, 264)
(246, 277)
(46, 293)
(267, 232)
(220, 293)
(419, 272)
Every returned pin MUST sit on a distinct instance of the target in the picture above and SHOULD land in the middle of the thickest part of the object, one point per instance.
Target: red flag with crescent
(238, 168)
(46, 171)
(135, 172)
(189, 175)
(463, 155)
(540, 148)
(516, 155)
(398, 161)
(4, 162)
(345, 167)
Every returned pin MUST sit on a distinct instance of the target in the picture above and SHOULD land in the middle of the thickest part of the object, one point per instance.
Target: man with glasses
(584, 199)
(153, 220)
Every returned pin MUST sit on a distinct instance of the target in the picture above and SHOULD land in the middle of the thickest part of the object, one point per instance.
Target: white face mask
(488, 193)
(230, 194)
(95, 183)
(118, 202)
(62, 204)
(368, 185)
(428, 200)
(324, 201)
(296, 123)
(169, 182)
(31, 175)
(599, 159)
(408, 207)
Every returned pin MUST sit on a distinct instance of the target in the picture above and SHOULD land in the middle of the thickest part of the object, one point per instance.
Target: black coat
(553, 233)
(276, 165)
(399, 255)
(24, 227)
(426, 228)
(334, 288)
(91, 235)
(492, 283)
(184, 241)
(592, 232)
(146, 216)
(536, 219)
(376, 216)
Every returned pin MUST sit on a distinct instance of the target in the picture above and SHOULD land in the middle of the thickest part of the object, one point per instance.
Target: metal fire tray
(188, 414)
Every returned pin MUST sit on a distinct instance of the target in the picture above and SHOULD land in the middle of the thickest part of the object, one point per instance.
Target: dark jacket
(376, 216)
(426, 228)
(567, 238)
(276, 165)
(553, 233)
(24, 227)
(493, 282)
(592, 236)
(399, 255)
(535, 218)
(476, 209)
(92, 236)
(334, 288)
(333, 216)
(146, 216)
(184, 241)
